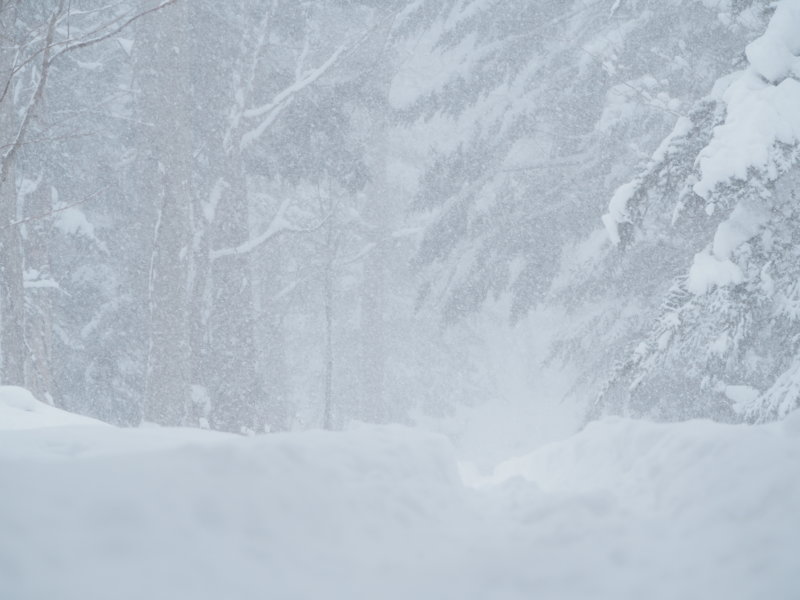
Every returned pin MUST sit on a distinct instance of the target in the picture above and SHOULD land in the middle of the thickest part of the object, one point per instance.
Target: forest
(470, 299)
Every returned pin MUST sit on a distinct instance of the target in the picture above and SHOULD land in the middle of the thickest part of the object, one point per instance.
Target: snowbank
(693, 510)
(157, 513)
(623, 510)
(20, 410)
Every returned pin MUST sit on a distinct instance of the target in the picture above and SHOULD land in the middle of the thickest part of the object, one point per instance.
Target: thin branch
(283, 99)
(53, 211)
(648, 99)
(11, 74)
(277, 227)
(79, 44)
(242, 96)
(49, 139)
(113, 32)
(47, 60)
(357, 256)
(8, 158)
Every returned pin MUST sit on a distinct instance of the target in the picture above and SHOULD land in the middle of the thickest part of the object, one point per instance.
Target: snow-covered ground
(623, 509)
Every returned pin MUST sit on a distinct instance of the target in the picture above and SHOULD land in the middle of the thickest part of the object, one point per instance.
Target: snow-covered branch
(50, 213)
(48, 56)
(271, 110)
(36, 98)
(279, 225)
(70, 46)
(282, 100)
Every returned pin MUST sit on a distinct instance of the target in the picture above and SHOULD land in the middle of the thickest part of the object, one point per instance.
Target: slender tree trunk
(328, 291)
(169, 357)
(236, 391)
(166, 153)
(12, 293)
(270, 338)
(373, 337)
(39, 313)
(381, 212)
(12, 298)
(201, 287)
(224, 335)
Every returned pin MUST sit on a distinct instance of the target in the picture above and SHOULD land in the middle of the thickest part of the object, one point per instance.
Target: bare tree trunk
(169, 357)
(15, 122)
(267, 283)
(236, 392)
(201, 289)
(373, 337)
(12, 298)
(328, 292)
(167, 154)
(381, 212)
(12, 293)
(39, 313)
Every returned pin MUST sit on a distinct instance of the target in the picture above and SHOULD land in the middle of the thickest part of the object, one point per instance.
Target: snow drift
(20, 410)
(624, 509)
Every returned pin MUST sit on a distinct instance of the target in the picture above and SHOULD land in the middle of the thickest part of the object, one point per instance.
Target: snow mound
(668, 469)
(131, 514)
(708, 510)
(622, 510)
(20, 410)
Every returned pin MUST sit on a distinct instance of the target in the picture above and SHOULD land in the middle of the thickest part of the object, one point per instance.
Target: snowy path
(622, 510)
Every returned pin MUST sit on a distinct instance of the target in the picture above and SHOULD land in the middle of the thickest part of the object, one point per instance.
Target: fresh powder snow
(623, 509)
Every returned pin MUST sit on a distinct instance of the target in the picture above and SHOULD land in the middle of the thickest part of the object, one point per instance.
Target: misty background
(475, 215)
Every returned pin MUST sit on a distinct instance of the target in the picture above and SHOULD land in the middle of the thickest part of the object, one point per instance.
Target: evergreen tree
(722, 190)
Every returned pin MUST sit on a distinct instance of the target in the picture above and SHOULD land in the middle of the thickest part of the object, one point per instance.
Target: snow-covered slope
(20, 410)
(622, 510)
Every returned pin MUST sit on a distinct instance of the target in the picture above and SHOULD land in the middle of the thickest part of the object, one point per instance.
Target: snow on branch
(36, 97)
(54, 211)
(284, 98)
(70, 45)
(48, 56)
(279, 225)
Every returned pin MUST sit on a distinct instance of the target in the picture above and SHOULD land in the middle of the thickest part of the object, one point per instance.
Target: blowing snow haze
(469, 299)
